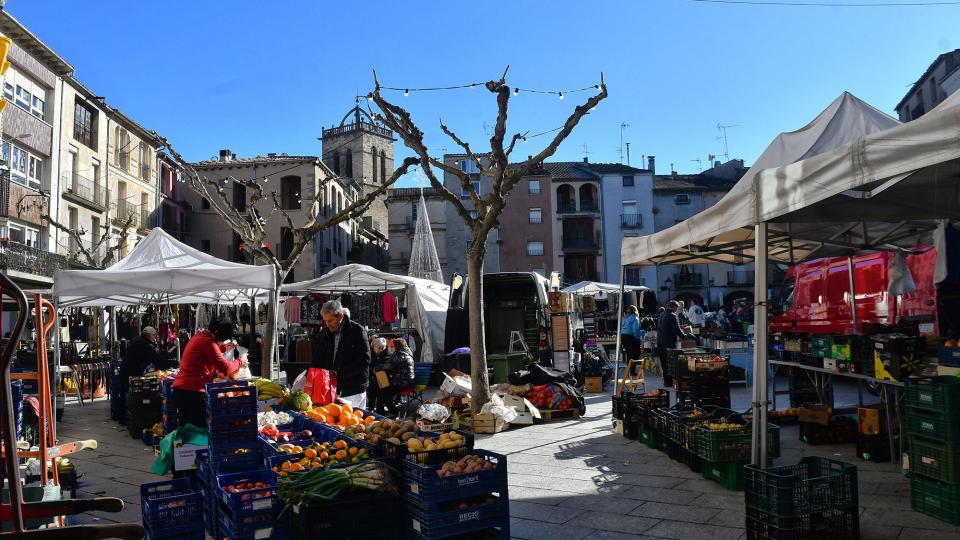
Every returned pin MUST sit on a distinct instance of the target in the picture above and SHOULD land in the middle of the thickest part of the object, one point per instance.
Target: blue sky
(260, 77)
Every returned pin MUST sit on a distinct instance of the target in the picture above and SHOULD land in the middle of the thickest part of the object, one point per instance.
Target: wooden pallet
(551, 415)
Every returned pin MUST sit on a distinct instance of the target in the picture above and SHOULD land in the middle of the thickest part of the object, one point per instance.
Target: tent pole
(759, 449)
(853, 295)
(616, 353)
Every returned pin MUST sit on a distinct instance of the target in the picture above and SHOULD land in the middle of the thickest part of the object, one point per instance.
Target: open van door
(457, 328)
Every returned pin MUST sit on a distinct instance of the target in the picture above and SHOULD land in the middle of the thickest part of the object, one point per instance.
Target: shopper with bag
(202, 360)
(399, 370)
(342, 347)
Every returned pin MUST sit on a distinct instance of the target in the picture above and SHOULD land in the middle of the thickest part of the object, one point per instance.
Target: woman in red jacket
(202, 360)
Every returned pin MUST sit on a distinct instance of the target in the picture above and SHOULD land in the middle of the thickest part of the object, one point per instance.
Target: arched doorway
(566, 199)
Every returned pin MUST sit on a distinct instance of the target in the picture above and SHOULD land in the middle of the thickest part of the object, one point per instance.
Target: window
(465, 194)
(533, 187)
(534, 249)
(536, 215)
(205, 246)
(336, 163)
(383, 166)
(629, 207)
(349, 165)
(35, 172)
(681, 198)
(631, 276)
(373, 158)
(23, 97)
(22, 234)
(25, 169)
(627, 181)
(469, 166)
(27, 94)
(8, 90)
(145, 158)
(413, 214)
(290, 192)
(38, 107)
(286, 242)
(473, 214)
(204, 203)
(121, 156)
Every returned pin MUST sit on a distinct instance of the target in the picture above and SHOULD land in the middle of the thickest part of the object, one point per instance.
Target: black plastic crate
(875, 448)
(253, 526)
(423, 487)
(619, 409)
(813, 485)
(400, 452)
(631, 429)
(190, 531)
(831, 524)
(638, 406)
(355, 515)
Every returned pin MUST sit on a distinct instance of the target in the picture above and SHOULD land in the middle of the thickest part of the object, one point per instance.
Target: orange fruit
(358, 412)
(346, 409)
(341, 455)
(333, 409)
(285, 465)
(340, 444)
(324, 456)
(296, 467)
(310, 453)
(368, 420)
(353, 451)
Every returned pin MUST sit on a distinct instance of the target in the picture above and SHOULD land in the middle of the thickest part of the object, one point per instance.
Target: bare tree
(249, 224)
(505, 176)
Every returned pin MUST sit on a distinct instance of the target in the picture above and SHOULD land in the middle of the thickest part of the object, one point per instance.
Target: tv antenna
(623, 125)
(699, 163)
(585, 151)
(487, 129)
(723, 136)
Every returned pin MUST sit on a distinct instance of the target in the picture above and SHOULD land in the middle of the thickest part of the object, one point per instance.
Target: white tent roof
(161, 269)
(847, 146)
(426, 300)
(595, 287)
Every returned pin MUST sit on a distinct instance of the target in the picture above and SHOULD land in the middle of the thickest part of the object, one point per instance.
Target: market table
(822, 377)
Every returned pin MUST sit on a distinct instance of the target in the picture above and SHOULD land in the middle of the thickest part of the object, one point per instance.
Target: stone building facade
(403, 207)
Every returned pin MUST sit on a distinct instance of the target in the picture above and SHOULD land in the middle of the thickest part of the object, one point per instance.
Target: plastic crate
(832, 524)
(813, 485)
(166, 504)
(227, 459)
(937, 499)
(237, 429)
(248, 501)
(678, 453)
(729, 475)
(939, 394)
(423, 487)
(619, 409)
(648, 437)
(638, 406)
(143, 384)
(659, 421)
(219, 404)
(734, 444)
(446, 519)
(680, 426)
(933, 425)
(192, 531)
(948, 356)
(398, 453)
(631, 429)
(937, 460)
(349, 517)
(253, 526)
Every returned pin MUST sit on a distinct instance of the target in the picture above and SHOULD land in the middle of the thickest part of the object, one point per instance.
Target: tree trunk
(269, 351)
(480, 393)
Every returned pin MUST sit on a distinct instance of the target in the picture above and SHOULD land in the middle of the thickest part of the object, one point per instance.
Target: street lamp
(709, 293)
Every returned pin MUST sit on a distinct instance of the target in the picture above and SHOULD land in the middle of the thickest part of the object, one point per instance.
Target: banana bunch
(267, 390)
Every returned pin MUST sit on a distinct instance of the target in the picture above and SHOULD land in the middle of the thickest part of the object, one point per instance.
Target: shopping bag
(321, 386)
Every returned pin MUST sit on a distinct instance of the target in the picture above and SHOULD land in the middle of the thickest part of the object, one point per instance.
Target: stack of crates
(169, 409)
(247, 506)
(475, 504)
(934, 429)
(895, 356)
(232, 425)
(816, 498)
(171, 510)
(724, 445)
(118, 403)
(682, 445)
(638, 414)
(144, 407)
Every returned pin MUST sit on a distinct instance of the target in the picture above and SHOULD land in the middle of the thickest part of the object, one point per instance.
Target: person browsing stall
(668, 333)
(342, 347)
(399, 369)
(631, 335)
(202, 360)
(378, 347)
(141, 354)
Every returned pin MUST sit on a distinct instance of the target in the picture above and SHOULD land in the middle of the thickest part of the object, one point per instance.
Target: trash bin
(505, 364)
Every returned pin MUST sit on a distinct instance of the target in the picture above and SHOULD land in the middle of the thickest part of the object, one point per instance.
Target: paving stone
(926, 534)
(693, 531)
(661, 495)
(541, 512)
(610, 535)
(539, 495)
(891, 502)
(729, 518)
(606, 521)
(878, 516)
(869, 531)
(706, 500)
(604, 503)
(693, 514)
(644, 480)
(537, 530)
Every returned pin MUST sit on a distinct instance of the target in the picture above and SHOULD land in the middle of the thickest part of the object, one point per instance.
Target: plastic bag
(321, 386)
(300, 382)
(433, 412)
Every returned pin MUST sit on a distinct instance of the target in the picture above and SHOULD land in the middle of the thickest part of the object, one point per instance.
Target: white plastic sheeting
(600, 290)
(426, 300)
(161, 269)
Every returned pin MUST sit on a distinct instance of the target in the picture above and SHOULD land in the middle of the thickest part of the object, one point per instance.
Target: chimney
(585, 159)
(716, 164)
(225, 154)
(652, 164)
(271, 154)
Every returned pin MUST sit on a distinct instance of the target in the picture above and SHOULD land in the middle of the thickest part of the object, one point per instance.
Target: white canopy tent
(851, 180)
(161, 269)
(426, 300)
(601, 290)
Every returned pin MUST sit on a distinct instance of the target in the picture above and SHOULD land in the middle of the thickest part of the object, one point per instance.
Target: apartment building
(578, 229)
(403, 207)
(528, 246)
(459, 236)
(132, 179)
(626, 195)
(941, 79)
(174, 211)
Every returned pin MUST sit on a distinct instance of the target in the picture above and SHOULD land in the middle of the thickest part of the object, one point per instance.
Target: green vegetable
(319, 485)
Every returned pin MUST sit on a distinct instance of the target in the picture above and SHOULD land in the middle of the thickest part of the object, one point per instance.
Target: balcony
(588, 205)
(70, 248)
(145, 172)
(566, 207)
(631, 221)
(689, 280)
(126, 210)
(83, 191)
(581, 241)
(740, 278)
(123, 160)
(145, 220)
(17, 257)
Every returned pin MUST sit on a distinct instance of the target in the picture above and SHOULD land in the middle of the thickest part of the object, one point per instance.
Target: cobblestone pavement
(568, 480)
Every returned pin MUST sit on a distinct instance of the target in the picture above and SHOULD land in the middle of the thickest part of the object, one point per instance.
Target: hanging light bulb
(561, 95)
(597, 86)
(266, 179)
(516, 91)
(406, 92)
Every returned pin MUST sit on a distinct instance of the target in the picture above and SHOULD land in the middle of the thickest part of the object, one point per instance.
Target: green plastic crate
(937, 460)
(648, 437)
(729, 475)
(933, 425)
(939, 394)
(726, 446)
(824, 341)
(937, 499)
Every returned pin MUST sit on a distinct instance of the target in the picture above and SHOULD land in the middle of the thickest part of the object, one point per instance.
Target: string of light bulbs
(471, 86)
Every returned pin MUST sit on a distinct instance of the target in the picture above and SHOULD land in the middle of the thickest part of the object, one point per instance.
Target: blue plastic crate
(192, 531)
(501, 532)
(224, 459)
(219, 404)
(435, 522)
(423, 487)
(253, 527)
(166, 388)
(250, 501)
(170, 502)
(348, 517)
(204, 471)
(949, 356)
(234, 429)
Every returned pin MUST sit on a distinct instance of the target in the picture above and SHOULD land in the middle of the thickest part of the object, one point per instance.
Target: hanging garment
(389, 305)
(291, 310)
(203, 316)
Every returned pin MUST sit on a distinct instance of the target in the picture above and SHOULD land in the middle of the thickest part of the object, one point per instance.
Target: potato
(406, 436)
(395, 440)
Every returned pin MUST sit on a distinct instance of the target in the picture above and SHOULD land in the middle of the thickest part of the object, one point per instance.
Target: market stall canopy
(426, 300)
(601, 289)
(853, 179)
(162, 269)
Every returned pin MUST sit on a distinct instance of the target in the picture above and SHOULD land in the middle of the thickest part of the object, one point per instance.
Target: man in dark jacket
(343, 347)
(668, 332)
(142, 353)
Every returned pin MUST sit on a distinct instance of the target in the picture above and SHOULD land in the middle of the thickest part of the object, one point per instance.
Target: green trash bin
(505, 364)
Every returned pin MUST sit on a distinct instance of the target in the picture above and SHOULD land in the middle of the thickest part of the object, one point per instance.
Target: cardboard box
(383, 381)
(455, 387)
(593, 384)
(523, 419)
(948, 370)
(816, 414)
(184, 457)
(830, 364)
(793, 345)
(869, 420)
